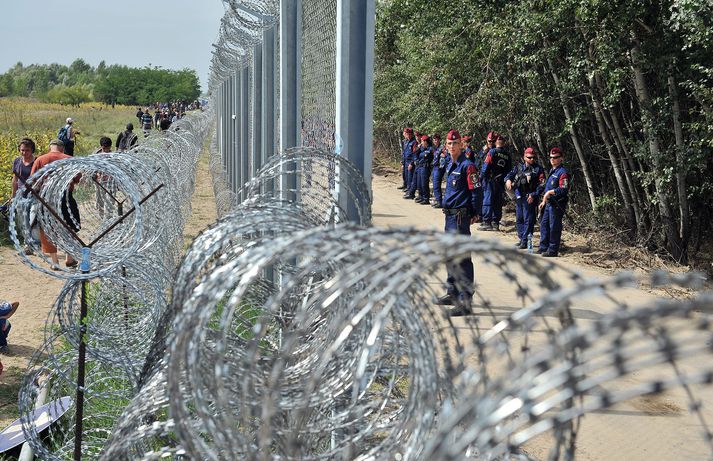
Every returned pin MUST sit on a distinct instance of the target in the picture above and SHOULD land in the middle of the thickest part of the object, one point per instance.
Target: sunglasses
(555, 156)
(529, 158)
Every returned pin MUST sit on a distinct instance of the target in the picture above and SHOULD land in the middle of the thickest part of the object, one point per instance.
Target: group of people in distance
(475, 185)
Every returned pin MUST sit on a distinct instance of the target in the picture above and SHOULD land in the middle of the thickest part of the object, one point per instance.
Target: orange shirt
(46, 159)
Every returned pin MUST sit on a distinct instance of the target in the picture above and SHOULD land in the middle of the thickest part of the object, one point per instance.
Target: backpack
(126, 140)
(63, 134)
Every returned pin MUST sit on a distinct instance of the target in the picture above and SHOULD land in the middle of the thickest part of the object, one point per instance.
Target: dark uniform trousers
(525, 217)
(460, 274)
(551, 226)
(493, 200)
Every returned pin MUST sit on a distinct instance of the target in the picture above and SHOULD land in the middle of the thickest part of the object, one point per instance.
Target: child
(7, 310)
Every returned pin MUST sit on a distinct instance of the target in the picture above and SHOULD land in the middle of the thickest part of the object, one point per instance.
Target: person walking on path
(70, 210)
(126, 139)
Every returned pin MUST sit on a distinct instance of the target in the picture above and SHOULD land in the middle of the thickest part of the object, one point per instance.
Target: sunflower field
(39, 121)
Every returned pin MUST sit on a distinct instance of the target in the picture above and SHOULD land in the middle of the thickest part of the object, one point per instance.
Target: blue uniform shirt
(424, 156)
(558, 181)
(534, 176)
(437, 151)
(497, 164)
(461, 181)
(409, 148)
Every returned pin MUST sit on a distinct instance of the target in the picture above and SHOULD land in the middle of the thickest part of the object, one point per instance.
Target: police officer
(469, 154)
(553, 205)
(438, 167)
(460, 205)
(408, 147)
(524, 180)
(495, 166)
(424, 158)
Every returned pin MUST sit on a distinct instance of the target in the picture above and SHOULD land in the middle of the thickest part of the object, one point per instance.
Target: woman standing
(22, 169)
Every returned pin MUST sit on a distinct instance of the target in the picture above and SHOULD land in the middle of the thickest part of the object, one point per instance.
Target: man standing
(440, 160)
(70, 211)
(524, 180)
(105, 187)
(554, 204)
(126, 139)
(460, 205)
(68, 136)
(408, 148)
(496, 165)
(146, 123)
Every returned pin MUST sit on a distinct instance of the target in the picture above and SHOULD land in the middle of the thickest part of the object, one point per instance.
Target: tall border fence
(290, 74)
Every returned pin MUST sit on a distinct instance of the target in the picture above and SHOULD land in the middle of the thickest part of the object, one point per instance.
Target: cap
(529, 150)
(436, 136)
(424, 137)
(556, 151)
(70, 120)
(467, 138)
(500, 138)
(129, 126)
(56, 142)
(492, 135)
(453, 135)
(408, 130)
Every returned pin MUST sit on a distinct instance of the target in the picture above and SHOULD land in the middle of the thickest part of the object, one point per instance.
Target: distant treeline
(80, 82)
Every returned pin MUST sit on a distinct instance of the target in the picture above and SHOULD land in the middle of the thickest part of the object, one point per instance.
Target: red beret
(467, 138)
(453, 135)
(492, 135)
(500, 138)
(436, 136)
(424, 137)
(408, 130)
(529, 150)
(556, 151)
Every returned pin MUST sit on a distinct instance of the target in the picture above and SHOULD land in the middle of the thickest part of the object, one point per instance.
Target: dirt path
(37, 293)
(647, 428)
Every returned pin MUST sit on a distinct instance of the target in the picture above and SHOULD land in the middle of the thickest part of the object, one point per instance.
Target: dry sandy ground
(646, 429)
(37, 293)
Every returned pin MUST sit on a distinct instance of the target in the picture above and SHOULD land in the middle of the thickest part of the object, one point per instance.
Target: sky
(171, 34)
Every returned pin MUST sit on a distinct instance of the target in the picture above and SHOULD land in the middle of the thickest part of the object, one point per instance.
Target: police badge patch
(564, 182)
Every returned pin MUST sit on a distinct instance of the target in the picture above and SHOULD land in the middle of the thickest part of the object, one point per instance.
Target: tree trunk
(668, 223)
(575, 138)
(631, 216)
(683, 208)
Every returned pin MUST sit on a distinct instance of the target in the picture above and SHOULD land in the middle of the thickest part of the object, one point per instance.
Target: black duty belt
(454, 211)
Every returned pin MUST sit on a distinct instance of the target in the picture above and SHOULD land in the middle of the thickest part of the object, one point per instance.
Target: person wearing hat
(495, 166)
(408, 147)
(460, 207)
(553, 205)
(524, 180)
(440, 161)
(467, 149)
(423, 159)
(71, 136)
(126, 139)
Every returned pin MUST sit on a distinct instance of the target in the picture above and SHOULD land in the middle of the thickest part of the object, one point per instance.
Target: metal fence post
(244, 174)
(268, 98)
(355, 88)
(257, 138)
(290, 84)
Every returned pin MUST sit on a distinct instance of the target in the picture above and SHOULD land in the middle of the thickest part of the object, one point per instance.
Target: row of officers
(475, 185)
